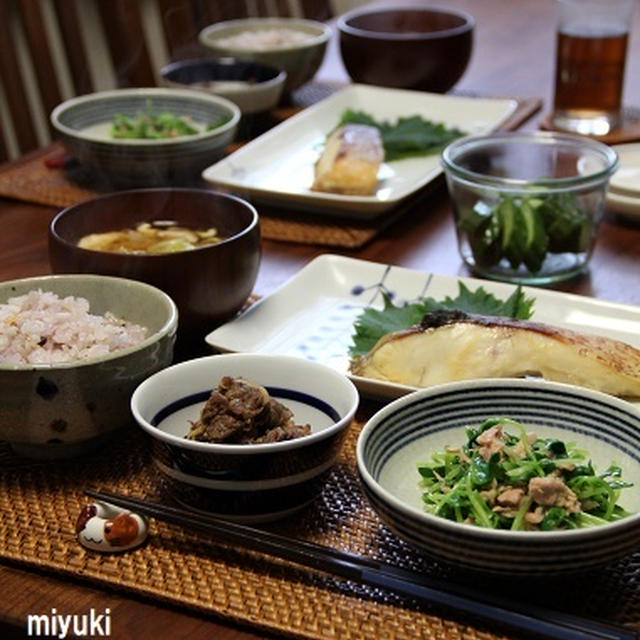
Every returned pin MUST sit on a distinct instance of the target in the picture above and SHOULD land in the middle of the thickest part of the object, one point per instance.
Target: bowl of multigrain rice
(72, 350)
(294, 45)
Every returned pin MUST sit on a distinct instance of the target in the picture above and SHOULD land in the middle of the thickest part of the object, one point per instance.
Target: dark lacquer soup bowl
(208, 283)
(245, 481)
(406, 46)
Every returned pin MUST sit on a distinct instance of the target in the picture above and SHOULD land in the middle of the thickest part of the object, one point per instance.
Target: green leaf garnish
(407, 137)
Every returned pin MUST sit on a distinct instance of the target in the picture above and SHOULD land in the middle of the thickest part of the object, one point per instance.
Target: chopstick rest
(527, 618)
(102, 526)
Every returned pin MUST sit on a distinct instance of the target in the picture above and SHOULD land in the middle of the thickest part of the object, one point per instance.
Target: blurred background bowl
(411, 429)
(254, 87)
(527, 205)
(84, 124)
(245, 482)
(59, 410)
(406, 46)
(209, 284)
(265, 40)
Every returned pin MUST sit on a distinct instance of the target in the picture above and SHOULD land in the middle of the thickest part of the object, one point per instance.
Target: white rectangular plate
(312, 315)
(277, 167)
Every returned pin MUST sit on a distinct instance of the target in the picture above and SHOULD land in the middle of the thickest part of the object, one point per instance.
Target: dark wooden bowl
(408, 47)
(208, 284)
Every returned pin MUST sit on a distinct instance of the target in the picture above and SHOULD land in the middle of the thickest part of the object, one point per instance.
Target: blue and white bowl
(245, 482)
(410, 429)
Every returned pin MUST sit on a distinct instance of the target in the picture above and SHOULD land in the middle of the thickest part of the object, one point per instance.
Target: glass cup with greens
(527, 205)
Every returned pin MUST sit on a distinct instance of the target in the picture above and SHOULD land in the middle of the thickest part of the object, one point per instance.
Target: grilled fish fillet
(350, 161)
(451, 345)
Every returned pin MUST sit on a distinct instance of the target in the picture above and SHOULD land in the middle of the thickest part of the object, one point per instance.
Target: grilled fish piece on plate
(350, 161)
(451, 345)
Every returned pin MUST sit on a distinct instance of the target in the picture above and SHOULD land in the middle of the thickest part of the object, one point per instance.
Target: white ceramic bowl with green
(84, 124)
(266, 40)
(63, 409)
(410, 430)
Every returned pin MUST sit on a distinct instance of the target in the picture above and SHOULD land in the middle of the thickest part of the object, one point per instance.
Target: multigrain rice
(263, 39)
(41, 327)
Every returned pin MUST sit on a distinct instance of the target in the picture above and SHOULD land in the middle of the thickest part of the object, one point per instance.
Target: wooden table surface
(513, 56)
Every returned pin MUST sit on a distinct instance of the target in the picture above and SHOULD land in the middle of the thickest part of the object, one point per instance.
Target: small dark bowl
(408, 47)
(208, 284)
(254, 87)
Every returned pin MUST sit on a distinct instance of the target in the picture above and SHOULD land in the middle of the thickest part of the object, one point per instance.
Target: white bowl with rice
(295, 45)
(72, 350)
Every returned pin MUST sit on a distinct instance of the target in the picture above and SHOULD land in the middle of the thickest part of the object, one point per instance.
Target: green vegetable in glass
(517, 481)
(524, 229)
(407, 137)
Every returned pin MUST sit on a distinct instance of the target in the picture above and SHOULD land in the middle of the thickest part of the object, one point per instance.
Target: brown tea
(590, 74)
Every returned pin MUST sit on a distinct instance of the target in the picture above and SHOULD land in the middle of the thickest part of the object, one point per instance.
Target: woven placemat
(41, 179)
(39, 503)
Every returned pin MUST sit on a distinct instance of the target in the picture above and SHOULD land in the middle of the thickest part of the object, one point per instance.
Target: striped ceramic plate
(410, 429)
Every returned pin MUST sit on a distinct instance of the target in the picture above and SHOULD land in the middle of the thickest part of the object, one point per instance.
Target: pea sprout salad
(151, 125)
(505, 477)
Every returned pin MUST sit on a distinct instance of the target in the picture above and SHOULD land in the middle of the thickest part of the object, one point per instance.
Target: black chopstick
(530, 619)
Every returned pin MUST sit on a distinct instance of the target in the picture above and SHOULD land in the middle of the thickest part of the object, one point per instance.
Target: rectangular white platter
(312, 314)
(277, 167)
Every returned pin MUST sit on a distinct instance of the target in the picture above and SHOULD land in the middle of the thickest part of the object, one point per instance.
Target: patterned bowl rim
(345, 27)
(348, 388)
(187, 95)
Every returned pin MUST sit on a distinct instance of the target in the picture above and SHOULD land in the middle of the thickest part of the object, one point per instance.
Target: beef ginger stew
(240, 412)
(150, 237)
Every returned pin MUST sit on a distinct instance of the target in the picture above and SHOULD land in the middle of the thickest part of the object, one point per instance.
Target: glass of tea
(590, 64)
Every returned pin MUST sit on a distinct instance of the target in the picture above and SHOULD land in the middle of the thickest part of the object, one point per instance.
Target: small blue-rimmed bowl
(245, 482)
(411, 429)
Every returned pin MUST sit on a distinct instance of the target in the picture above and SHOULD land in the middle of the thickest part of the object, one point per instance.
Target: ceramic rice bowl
(300, 60)
(245, 482)
(411, 429)
(64, 409)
